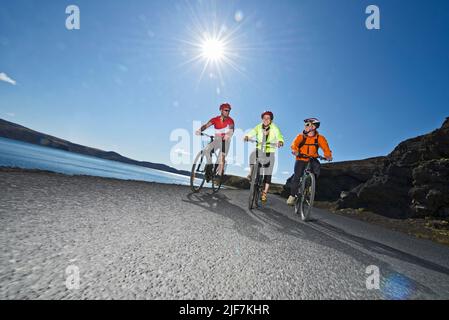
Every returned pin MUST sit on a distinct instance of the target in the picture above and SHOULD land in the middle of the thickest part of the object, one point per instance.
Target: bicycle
(198, 173)
(257, 178)
(306, 191)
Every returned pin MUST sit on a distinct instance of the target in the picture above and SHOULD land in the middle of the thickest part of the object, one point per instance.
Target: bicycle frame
(257, 179)
(199, 161)
(258, 163)
(308, 168)
(203, 147)
(212, 138)
(307, 171)
(301, 197)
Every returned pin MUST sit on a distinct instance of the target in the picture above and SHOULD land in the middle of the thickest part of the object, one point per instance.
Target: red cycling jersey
(221, 127)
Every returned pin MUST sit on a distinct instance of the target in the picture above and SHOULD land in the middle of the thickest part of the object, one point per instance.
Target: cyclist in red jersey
(224, 129)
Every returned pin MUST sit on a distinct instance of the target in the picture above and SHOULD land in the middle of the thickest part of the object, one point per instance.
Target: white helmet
(315, 121)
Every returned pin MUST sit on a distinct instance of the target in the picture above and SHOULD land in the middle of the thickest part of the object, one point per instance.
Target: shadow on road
(337, 239)
(219, 204)
(383, 249)
(248, 224)
(311, 231)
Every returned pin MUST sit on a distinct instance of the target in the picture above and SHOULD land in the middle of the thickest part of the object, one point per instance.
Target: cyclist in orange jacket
(307, 143)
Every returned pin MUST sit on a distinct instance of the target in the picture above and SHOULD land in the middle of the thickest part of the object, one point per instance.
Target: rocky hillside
(412, 181)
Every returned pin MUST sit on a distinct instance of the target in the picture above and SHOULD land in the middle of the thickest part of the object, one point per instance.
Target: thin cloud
(10, 114)
(4, 77)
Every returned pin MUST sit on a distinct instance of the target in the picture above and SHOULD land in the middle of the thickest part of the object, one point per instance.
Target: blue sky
(122, 83)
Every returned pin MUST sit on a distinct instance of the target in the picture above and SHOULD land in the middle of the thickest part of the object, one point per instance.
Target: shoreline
(39, 171)
(236, 180)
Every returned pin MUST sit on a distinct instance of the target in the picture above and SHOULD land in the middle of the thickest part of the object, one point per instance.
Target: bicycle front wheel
(198, 173)
(307, 197)
(254, 188)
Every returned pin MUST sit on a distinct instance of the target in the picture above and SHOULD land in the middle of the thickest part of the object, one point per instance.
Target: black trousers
(300, 166)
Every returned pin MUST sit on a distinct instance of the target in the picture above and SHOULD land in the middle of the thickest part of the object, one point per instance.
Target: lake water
(24, 155)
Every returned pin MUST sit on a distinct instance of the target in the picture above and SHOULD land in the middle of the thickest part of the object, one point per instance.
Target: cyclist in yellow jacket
(307, 143)
(266, 133)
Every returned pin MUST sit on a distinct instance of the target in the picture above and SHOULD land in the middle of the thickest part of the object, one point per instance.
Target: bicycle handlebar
(310, 157)
(265, 144)
(207, 135)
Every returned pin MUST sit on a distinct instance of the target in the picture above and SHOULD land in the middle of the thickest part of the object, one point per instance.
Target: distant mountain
(17, 132)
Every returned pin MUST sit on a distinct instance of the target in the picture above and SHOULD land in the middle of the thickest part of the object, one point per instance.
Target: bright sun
(213, 50)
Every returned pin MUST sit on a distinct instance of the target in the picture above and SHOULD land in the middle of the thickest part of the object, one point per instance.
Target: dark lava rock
(236, 182)
(413, 181)
(341, 176)
(430, 194)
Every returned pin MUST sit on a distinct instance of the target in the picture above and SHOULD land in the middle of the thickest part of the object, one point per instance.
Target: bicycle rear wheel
(307, 196)
(254, 188)
(198, 173)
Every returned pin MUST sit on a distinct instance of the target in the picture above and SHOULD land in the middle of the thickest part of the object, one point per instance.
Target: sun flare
(214, 44)
(213, 50)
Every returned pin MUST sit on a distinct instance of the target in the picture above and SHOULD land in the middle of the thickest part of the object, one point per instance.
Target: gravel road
(139, 240)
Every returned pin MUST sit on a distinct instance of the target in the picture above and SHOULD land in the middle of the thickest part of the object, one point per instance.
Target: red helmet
(225, 105)
(269, 113)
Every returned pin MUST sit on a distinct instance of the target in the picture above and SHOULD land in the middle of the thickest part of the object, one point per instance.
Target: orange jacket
(309, 148)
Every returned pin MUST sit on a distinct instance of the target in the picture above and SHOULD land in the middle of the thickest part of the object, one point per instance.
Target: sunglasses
(309, 124)
(226, 110)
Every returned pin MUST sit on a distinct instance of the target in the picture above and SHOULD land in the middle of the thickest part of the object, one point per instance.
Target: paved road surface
(139, 240)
